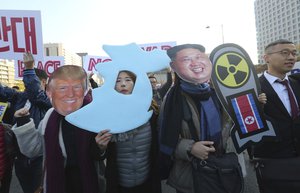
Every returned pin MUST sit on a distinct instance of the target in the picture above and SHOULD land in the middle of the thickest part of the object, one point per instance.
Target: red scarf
(55, 173)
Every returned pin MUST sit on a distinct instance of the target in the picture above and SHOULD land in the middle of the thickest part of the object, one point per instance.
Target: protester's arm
(7, 94)
(102, 139)
(33, 91)
(42, 100)
(30, 79)
(187, 148)
(96, 152)
(33, 85)
(183, 149)
(29, 139)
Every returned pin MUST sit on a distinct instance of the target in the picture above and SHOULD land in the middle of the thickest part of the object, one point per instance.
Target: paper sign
(3, 107)
(49, 64)
(20, 32)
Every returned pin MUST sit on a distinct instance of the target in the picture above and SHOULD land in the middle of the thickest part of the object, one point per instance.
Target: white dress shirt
(280, 89)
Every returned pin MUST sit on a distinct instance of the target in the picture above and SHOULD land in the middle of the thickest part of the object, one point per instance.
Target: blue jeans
(29, 172)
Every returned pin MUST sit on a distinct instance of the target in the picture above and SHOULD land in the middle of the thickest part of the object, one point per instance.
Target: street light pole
(222, 32)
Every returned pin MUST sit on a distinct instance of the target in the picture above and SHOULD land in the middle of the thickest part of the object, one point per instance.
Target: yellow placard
(3, 107)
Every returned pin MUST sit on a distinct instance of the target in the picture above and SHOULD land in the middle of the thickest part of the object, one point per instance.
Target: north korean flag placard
(237, 86)
(247, 114)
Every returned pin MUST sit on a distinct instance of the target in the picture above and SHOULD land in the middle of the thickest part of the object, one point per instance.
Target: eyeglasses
(286, 53)
(190, 59)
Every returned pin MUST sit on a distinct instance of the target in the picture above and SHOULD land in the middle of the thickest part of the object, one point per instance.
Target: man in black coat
(280, 153)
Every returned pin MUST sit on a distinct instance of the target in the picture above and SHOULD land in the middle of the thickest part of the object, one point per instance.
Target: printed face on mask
(66, 95)
(192, 65)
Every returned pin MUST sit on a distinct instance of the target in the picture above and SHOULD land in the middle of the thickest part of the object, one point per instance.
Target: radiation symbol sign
(236, 83)
(232, 70)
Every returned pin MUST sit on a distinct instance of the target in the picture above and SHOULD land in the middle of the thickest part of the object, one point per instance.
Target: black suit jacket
(287, 142)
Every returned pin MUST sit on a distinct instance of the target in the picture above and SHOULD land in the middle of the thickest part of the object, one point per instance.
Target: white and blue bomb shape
(113, 110)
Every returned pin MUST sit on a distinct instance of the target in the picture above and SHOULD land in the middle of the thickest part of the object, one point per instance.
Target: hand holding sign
(28, 60)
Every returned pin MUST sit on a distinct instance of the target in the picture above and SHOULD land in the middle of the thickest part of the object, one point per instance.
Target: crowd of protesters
(53, 156)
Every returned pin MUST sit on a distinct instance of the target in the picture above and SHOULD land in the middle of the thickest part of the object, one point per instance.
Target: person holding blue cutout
(70, 153)
(132, 164)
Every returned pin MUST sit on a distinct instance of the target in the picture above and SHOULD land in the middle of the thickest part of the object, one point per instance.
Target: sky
(86, 25)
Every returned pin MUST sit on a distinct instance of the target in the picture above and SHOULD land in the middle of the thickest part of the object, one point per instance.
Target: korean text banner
(20, 32)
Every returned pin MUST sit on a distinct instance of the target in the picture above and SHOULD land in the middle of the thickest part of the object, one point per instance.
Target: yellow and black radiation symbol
(232, 70)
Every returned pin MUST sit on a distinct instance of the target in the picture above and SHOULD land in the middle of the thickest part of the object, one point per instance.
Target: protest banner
(20, 32)
(49, 64)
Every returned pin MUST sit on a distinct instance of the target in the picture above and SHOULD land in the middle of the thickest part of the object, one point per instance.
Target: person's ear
(171, 64)
(266, 58)
(49, 95)
(44, 83)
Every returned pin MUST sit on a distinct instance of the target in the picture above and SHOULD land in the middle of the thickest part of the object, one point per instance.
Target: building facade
(7, 73)
(57, 49)
(276, 19)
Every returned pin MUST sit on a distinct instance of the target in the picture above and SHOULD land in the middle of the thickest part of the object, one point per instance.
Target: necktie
(294, 106)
